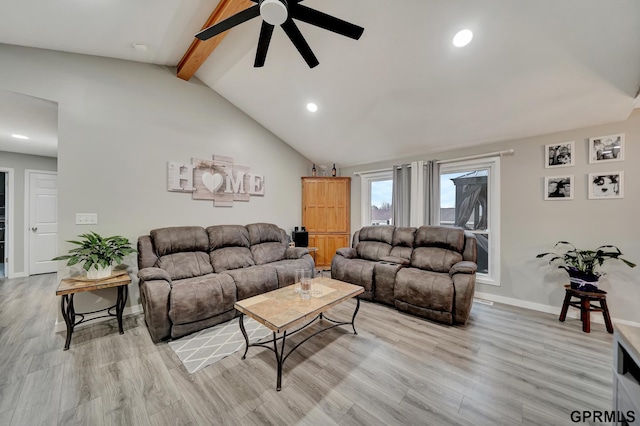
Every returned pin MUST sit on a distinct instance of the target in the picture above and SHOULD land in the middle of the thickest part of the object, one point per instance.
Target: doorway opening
(28, 142)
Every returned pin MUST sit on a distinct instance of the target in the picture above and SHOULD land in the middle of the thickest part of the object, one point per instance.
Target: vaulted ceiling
(533, 66)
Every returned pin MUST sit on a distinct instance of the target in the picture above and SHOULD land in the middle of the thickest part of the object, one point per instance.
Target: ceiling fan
(283, 12)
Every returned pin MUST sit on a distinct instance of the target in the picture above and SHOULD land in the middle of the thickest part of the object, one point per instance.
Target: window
(470, 198)
(377, 198)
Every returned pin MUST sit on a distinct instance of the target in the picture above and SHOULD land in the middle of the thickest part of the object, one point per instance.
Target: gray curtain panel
(401, 194)
(432, 192)
(402, 191)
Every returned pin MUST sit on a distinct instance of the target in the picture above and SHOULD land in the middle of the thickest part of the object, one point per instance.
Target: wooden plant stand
(584, 304)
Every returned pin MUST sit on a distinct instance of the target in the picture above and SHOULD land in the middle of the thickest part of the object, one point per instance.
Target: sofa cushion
(372, 250)
(440, 236)
(254, 280)
(195, 299)
(268, 252)
(180, 239)
(402, 252)
(379, 233)
(403, 237)
(286, 269)
(268, 242)
(265, 233)
(222, 236)
(425, 289)
(229, 247)
(434, 259)
(354, 271)
(186, 265)
(224, 259)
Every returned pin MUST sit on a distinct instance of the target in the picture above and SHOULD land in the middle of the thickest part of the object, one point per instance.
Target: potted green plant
(98, 253)
(581, 264)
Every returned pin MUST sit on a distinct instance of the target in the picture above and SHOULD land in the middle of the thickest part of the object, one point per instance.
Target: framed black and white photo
(560, 154)
(603, 149)
(558, 188)
(606, 185)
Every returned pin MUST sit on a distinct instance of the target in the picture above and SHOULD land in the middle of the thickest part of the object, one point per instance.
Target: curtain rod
(506, 152)
(473, 157)
(366, 172)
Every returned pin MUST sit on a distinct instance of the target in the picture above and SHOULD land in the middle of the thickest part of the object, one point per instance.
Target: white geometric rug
(205, 347)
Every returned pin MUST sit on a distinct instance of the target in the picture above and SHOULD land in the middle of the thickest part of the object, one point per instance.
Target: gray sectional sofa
(191, 277)
(428, 271)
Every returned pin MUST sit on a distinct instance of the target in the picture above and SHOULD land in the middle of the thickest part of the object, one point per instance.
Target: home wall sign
(219, 180)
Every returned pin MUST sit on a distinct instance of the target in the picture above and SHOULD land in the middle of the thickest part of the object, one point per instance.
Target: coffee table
(283, 309)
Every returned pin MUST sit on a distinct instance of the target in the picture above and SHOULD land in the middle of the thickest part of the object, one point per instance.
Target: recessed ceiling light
(312, 107)
(20, 136)
(140, 47)
(462, 38)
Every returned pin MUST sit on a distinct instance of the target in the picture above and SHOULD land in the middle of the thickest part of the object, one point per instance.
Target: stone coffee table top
(283, 308)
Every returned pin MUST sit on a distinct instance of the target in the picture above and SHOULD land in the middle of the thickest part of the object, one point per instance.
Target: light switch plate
(86, 218)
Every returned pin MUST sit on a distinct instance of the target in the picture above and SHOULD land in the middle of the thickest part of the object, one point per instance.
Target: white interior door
(43, 222)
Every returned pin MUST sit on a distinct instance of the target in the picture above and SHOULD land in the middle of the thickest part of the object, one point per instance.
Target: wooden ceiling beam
(200, 50)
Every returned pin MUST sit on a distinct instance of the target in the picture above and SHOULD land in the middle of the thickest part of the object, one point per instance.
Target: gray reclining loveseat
(428, 271)
(190, 277)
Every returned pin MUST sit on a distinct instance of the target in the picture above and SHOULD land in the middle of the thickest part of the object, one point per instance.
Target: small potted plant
(580, 264)
(99, 254)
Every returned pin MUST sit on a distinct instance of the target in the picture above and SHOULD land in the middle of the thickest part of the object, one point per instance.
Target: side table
(70, 286)
(312, 252)
(585, 306)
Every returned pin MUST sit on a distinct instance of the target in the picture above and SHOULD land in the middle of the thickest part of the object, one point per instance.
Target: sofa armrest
(464, 267)
(464, 288)
(155, 296)
(347, 252)
(149, 274)
(295, 252)
(397, 260)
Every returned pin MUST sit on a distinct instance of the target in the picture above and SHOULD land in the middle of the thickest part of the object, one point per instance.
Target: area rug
(205, 347)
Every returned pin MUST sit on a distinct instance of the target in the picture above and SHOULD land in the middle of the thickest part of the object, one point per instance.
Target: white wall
(531, 225)
(119, 124)
(19, 163)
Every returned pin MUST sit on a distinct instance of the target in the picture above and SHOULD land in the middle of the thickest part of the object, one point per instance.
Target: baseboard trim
(129, 310)
(573, 313)
(18, 275)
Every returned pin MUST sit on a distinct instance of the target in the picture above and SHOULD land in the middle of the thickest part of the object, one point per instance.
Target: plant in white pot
(581, 264)
(98, 253)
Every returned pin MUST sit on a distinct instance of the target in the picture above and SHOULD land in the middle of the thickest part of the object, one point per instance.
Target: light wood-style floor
(508, 366)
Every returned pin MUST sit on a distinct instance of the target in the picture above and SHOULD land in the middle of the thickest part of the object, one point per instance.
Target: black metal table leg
(67, 313)
(353, 319)
(279, 357)
(244, 333)
(123, 292)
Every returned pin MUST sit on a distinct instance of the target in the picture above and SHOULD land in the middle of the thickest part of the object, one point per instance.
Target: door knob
(34, 229)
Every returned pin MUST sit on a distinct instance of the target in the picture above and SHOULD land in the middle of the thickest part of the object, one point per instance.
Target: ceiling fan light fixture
(274, 12)
(462, 38)
(312, 107)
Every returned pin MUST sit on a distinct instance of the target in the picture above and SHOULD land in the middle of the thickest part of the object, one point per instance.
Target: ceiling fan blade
(263, 44)
(291, 29)
(229, 23)
(322, 20)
